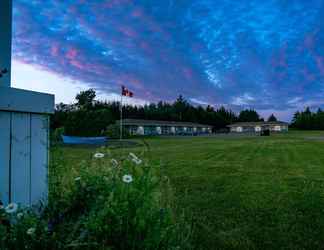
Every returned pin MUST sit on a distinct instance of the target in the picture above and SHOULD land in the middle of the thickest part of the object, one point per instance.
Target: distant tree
(113, 132)
(249, 115)
(180, 106)
(272, 118)
(87, 122)
(308, 120)
(86, 98)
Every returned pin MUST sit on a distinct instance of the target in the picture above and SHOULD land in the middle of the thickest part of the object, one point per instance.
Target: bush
(112, 204)
(87, 122)
(113, 131)
(56, 135)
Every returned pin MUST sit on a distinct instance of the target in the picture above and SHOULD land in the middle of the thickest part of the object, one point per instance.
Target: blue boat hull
(75, 140)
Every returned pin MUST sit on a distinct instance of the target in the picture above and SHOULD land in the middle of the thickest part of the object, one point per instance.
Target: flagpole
(121, 116)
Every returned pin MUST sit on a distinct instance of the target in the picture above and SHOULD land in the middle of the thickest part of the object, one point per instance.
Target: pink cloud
(77, 64)
(71, 54)
(54, 50)
(127, 31)
(115, 3)
(320, 64)
(188, 73)
(308, 75)
(137, 13)
(309, 41)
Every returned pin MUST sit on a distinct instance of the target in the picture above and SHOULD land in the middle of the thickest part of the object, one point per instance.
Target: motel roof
(249, 124)
(137, 122)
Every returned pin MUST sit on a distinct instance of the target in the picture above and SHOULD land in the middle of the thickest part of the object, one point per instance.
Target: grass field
(245, 192)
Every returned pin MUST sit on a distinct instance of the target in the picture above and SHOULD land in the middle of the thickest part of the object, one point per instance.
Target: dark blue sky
(267, 55)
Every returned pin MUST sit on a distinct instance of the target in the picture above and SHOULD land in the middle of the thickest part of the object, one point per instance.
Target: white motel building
(151, 127)
(256, 127)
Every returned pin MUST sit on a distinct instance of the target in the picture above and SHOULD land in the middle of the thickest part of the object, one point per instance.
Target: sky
(267, 55)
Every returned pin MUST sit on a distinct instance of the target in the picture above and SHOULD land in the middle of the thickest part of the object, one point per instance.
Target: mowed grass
(243, 192)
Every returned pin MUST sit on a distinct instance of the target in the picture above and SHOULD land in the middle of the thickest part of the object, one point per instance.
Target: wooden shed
(24, 130)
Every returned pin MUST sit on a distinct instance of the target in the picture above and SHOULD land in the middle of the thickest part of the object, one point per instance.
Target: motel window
(257, 129)
(140, 130)
(166, 130)
(179, 129)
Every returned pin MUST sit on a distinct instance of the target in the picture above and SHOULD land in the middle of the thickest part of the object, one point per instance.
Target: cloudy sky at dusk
(267, 55)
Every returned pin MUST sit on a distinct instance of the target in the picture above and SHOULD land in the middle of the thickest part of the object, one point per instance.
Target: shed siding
(39, 157)
(24, 139)
(20, 158)
(4, 156)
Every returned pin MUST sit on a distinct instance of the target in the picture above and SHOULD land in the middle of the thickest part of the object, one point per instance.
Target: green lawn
(244, 193)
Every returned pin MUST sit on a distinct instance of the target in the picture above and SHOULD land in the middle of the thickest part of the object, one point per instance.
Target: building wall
(24, 144)
(257, 129)
(166, 130)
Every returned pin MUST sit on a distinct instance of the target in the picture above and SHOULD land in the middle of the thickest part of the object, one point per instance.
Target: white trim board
(18, 100)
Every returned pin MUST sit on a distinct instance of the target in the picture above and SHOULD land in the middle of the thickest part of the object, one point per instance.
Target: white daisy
(31, 231)
(77, 179)
(137, 161)
(11, 208)
(127, 178)
(99, 155)
(133, 156)
(20, 215)
(114, 162)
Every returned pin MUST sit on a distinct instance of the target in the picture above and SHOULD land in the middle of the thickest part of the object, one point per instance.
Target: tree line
(89, 117)
(308, 120)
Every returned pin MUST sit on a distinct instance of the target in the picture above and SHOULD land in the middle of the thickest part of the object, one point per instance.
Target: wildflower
(135, 159)
(11, 208)
(99, 155)
(31, 231)
(114, 162)
(133, 156)
(127, 178)
(20, 215)
(77, 179)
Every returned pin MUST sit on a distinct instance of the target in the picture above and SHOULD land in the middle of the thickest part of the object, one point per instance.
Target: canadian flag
(126, 92)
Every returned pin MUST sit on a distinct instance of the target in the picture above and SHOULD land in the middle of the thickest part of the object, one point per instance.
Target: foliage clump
(113, 203)
(308, 120)
(113, 131)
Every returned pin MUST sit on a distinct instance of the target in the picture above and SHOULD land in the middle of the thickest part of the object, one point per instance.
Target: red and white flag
(126, 92)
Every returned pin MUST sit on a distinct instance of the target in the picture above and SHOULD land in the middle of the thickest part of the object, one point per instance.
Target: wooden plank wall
(20, 158)
(23, 157)
(39, 157)
(4, 156)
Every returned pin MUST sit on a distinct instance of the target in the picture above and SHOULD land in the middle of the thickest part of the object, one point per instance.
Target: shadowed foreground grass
(245, 193)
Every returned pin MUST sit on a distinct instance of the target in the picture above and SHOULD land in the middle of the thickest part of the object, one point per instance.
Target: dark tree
(180, 107)
(86, 98)
(272, 118)
(308, 120)
(249, 115)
